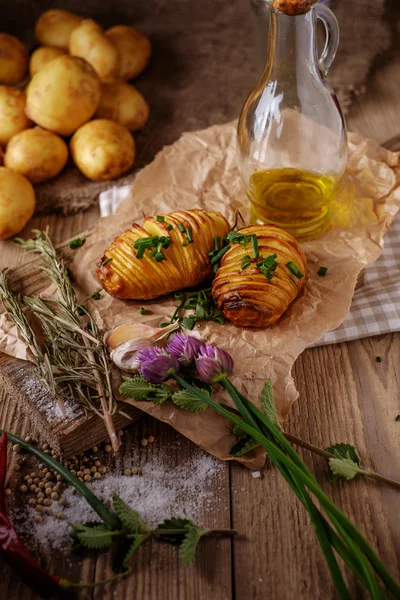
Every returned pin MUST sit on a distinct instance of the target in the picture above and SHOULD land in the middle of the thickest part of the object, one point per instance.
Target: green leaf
(243, 445)
(138, 539)
(174, 523)
(129, 518)
(344, 467)
(346, 451)
(93, 537)
(162, 393)
(268, 404)
(238, 431)
(189, 401)
(188, 547)
(137, 388)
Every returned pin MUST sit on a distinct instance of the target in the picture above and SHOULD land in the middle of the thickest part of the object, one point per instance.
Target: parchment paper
(200, 170)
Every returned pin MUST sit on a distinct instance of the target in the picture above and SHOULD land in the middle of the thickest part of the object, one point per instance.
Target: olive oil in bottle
(296, 200)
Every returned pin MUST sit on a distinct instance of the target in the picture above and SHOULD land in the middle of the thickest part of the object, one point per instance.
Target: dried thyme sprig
(10, 301)
(75, 338)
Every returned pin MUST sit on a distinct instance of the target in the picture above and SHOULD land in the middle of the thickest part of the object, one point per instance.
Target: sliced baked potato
(255, 291)
(162, 266)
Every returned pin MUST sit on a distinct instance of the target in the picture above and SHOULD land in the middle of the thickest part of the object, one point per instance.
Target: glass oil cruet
(292, 141)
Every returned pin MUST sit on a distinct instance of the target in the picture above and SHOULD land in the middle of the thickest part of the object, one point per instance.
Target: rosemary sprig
(10, 301)
(74, 341)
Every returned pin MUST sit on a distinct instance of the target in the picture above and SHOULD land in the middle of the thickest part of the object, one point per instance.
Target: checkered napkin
(375, 308)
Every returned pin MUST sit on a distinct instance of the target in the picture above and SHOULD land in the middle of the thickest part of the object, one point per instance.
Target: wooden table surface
(345, 395)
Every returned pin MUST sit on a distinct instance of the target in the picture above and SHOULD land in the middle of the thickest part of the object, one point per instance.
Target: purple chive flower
(213, 364)
(185, 348)
(156, 364)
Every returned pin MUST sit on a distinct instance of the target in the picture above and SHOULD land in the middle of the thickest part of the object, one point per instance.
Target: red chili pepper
(14, 550)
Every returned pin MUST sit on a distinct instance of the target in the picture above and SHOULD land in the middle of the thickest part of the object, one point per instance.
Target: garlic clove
(125, 355)
(136, 331)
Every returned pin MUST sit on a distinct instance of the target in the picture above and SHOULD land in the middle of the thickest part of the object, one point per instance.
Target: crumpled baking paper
(200, 171)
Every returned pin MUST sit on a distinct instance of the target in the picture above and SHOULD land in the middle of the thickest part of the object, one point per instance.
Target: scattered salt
(45, 403)
(256, 474)
(164, 491)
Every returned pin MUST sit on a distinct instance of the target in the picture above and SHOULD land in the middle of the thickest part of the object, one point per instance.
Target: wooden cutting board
(24, 400)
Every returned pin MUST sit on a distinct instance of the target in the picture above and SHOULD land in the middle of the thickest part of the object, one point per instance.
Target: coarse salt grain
(164, 491)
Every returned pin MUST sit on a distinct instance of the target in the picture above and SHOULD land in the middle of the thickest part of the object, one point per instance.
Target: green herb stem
(220, 254)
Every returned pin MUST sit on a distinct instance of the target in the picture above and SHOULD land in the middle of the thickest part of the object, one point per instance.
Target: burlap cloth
(203, 67)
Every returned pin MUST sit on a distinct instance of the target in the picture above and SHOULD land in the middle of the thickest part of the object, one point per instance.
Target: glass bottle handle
(324, 14)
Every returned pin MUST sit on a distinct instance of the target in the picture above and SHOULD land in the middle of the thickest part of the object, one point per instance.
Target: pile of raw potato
(77, 88)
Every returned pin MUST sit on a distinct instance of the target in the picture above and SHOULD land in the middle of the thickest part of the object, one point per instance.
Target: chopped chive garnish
(81, 311)
(142, 310)
(254, 243)
(378, 359)
(220, 254)
(184, 244)
(245, 265)
(246, 258)
(140, 252)
(164, 324)
(188, 322)
(160, 219)
(178, 295)
(217, 243)
(322, 271)
(159, 256)
(189, 234)
(76, 243)
(105, 262)
(170, 227)
(269, 275)
(153, 253)
(296, 272)
(397, 418)
(181, 227)
(148, 242)
(96, 295)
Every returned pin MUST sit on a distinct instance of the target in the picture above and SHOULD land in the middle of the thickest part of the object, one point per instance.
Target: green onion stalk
(336, 534)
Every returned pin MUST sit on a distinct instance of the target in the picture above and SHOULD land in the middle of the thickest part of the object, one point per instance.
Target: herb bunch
(336, 533)
(75, 358)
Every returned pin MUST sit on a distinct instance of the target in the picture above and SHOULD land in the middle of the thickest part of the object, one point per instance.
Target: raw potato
(17, 202)
(42, 56)
(37, 154)
(134, 50)
(63, 95)
(12, 113)
(89, 41)
(123, 103)
(13, 59)
(54, 27)
(103, 149)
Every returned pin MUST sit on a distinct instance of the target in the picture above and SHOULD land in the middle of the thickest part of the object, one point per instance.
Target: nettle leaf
(344, 467)
(268, 404)
(345, 451)
(129, 518)
(174, 523)
(238, 431)
(138, 539)
(137, 388)
(243, 445)
(94, 537)
(161, 394)
(188, 547)
(189, 401)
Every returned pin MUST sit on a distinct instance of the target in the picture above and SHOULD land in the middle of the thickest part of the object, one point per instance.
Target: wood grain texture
(345, 395)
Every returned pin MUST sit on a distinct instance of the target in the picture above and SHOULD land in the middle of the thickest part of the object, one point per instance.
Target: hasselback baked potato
(258, 280)
(170, 252)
